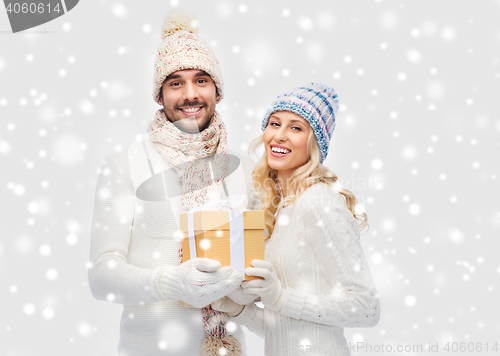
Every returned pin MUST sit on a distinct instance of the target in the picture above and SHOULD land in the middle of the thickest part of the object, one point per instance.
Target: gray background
(417, 141)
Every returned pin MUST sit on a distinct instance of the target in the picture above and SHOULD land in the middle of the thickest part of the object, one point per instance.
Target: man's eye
(175, 84)
(202, 80)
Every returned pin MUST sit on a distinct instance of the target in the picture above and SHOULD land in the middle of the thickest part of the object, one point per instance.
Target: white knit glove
(269, 289)
(198, 282)
(228, 306)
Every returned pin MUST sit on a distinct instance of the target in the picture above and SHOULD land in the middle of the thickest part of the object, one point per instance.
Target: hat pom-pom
(178, 21)
(323, 88)
(329, 92)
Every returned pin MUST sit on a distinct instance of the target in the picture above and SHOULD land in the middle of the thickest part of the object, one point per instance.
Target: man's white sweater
(134, 237)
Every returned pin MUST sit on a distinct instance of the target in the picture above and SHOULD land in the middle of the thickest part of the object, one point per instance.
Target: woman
(316, 280)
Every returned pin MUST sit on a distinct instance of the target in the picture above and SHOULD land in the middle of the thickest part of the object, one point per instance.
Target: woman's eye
(274, 124)
(296, 128)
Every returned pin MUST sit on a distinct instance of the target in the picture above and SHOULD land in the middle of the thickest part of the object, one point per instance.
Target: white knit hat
(180, 49)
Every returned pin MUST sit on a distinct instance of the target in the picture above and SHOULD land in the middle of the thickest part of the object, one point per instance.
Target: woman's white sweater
(316, 252)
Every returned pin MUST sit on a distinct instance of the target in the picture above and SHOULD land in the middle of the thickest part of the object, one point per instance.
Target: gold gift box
(212, 237)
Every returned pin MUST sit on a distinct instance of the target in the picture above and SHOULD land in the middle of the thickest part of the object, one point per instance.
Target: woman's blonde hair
(265, 182)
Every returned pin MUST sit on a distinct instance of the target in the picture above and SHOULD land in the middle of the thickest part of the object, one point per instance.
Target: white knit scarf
(185, 152)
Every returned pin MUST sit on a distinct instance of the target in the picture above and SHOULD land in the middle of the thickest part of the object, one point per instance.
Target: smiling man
(136, 259)
(188, 98)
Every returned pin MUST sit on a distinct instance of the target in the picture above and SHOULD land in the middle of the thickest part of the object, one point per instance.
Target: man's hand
(198, 282)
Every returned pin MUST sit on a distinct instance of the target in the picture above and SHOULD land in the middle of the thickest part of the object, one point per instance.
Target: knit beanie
(181, 48)
(317, 103)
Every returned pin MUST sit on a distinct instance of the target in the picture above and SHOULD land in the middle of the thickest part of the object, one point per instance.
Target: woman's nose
(281, 134)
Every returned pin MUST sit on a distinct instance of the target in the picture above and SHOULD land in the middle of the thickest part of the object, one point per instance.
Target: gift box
(212, 237)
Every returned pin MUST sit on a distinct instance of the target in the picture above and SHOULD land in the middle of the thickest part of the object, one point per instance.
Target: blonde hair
(265, 182)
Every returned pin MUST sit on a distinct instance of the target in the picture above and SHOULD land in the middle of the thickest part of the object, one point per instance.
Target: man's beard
(190, 124)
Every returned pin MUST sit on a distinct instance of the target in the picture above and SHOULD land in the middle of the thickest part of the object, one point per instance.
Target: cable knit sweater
(134, 236)
(317, 255)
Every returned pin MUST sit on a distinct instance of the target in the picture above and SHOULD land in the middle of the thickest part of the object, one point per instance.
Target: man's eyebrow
(176, 76)
(172, 76)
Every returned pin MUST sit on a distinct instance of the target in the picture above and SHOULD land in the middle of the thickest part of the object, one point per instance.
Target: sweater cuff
(310, 311)
(165, 284)
(293, 303)
(246, 315)
(276, 307)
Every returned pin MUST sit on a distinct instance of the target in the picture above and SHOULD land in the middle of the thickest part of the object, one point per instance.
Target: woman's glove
(269, 289)
(198, 282)
(228, 306)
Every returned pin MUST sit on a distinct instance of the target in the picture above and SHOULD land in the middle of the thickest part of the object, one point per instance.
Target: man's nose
(190, 92)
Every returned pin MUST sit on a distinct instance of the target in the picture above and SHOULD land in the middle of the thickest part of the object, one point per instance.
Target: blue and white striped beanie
(317, 103)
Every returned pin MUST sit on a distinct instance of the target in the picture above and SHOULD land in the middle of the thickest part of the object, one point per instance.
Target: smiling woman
(315, 279)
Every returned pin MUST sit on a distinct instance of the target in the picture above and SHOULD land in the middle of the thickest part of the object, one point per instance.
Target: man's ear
(161, 98)
(217, 97)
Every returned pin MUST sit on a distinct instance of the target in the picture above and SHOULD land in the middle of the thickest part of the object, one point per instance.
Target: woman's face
(285, 139)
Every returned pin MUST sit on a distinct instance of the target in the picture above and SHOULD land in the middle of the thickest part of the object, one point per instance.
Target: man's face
(188, 98)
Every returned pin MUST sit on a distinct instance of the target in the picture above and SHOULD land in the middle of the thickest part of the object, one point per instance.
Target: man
(139, 197)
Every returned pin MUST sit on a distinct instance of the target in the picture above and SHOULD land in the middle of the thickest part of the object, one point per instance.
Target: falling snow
(119, 10)
(416, 140)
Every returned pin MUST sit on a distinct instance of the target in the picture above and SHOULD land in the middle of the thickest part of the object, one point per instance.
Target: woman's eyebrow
(297, 122)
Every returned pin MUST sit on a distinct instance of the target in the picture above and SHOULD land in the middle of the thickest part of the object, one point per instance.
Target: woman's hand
(228, 306)
(240, 297)
(269, 289)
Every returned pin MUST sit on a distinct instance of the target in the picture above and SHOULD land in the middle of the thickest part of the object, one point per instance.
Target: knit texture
(182, 151)
(316, 252)
(188, 283)
(132, 241)
(181, 48)
(317, 103)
